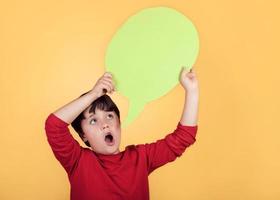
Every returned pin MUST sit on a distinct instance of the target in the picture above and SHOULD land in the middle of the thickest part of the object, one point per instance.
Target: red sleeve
(172, 146)
(65, 148)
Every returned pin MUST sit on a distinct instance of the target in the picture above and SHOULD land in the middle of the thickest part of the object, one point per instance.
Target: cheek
(88, 129)
(117, 127)
(94, 137)
(83, 125)
(115, 124)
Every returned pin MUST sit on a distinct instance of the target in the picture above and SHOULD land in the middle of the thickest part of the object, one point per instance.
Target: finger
(105, 88)
(103, 80)
(183, 71)
(112, 82)
(107, 74)
(108, 84)
(192, 70)
(191, 74)
(108, 81)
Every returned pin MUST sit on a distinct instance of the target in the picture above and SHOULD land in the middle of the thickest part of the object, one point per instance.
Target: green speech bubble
(147, 53)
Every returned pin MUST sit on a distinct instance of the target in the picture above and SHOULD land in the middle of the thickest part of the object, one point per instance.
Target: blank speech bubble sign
(146, 55)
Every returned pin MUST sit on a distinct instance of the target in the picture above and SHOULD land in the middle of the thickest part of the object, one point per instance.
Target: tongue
(108, 140)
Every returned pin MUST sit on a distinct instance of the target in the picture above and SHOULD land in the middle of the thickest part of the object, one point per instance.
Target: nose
(105, 125)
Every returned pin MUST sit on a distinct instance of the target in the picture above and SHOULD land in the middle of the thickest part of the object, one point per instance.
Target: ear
(85, 139)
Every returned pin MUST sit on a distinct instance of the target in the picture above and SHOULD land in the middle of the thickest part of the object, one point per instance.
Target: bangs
(104, 103)
(101, 106)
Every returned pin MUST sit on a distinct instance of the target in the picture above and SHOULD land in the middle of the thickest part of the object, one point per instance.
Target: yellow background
(53, 51)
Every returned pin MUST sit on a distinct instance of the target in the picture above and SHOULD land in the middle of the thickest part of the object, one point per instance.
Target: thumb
(107, 74)
(183, 71)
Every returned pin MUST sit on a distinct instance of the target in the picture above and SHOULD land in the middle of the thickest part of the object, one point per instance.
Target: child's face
(102, 130)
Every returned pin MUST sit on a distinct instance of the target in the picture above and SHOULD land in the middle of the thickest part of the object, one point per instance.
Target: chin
(111, 151)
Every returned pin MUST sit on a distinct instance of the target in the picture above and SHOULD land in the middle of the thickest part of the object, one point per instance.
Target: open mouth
(109, 139)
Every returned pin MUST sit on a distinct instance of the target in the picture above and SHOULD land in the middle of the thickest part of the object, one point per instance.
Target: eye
(110, 116)
(93, 121)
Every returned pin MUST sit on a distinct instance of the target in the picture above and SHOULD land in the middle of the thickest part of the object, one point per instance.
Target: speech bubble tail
(134, 109)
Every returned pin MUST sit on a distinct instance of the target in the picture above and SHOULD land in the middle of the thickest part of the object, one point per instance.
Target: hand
(104, 85)
(188, 80)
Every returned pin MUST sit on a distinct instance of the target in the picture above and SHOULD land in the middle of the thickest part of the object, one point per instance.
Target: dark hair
(104, 103)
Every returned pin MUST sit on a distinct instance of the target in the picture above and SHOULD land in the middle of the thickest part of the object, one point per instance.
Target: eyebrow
(104, 111)
(90, 116)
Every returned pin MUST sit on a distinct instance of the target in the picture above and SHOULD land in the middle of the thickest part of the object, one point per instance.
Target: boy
(103, 172)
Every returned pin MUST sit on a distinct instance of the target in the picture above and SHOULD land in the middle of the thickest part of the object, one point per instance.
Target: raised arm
(190, 111)
(70, 111)
(65, 148)
(175, 143)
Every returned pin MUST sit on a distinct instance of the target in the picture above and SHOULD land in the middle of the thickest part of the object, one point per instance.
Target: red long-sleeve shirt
(123, 176)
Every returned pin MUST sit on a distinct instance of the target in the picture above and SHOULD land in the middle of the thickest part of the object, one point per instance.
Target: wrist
(92, 95)
(194, 93)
